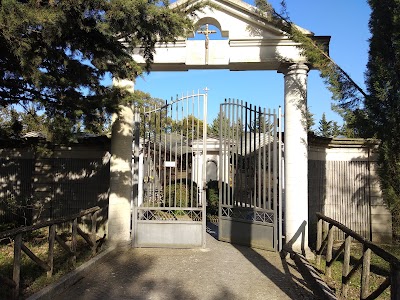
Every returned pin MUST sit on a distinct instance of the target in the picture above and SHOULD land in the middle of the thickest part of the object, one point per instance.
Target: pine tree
(310, 121)
(56, 54)
(325, 127)
(336, 130)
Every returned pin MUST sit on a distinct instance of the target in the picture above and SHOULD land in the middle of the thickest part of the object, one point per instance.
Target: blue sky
(345, 21)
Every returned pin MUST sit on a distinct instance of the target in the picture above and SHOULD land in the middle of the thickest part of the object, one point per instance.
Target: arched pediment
(252, 43)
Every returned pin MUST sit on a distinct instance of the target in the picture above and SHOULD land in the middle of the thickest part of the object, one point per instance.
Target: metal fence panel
(249, 170)
(170, 209)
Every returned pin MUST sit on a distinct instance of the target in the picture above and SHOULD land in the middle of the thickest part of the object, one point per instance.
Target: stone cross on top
(206, 32)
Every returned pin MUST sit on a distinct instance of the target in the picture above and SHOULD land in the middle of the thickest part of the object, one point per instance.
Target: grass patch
(379, 270)
(34, 278)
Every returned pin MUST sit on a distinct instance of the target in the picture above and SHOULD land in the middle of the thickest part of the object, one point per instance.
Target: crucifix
(206, 32)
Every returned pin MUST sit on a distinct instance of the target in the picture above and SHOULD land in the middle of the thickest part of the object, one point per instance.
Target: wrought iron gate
(250, 206)
(169, 208)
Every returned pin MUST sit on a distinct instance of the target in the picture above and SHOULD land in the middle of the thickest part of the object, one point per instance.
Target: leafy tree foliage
(260, 124)
(10, 125)
(56, 54)
(190, 127)
(214, 129)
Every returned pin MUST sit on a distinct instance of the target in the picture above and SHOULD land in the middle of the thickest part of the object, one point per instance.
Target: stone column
(296, 157)
(119, 207)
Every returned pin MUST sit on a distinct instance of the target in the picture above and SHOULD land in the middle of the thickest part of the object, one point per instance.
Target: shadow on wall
(65, 181)
(340, 185)
(15, 190)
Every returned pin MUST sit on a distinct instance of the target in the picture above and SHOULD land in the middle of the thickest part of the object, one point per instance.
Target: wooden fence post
(319, 242)
(73, 241)
(346, 265)
(394, 282)
(50, 257)
(329, 251)
(365, 272)
(17, 264)
(93, 232)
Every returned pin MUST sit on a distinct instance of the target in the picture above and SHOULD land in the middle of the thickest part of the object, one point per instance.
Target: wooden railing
(19, 246)
(325, 241)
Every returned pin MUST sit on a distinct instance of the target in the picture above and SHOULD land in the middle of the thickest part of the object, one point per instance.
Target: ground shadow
(212, 230)
(139, 273)
(294, 286)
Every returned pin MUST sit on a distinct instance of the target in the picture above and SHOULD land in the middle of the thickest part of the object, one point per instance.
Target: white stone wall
(345, 153)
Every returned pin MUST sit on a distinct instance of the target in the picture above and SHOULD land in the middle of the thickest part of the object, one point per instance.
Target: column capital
(293, 68)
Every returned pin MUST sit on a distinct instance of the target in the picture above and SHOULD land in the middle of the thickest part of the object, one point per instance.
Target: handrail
(47, 265)
(15, 231)
(376, 249)
(326, 243)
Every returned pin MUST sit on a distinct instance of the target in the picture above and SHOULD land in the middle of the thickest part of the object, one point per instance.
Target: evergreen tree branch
(343, 87)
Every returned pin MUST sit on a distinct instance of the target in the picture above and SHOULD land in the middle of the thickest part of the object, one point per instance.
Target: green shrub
(180, 192)
(212, 197)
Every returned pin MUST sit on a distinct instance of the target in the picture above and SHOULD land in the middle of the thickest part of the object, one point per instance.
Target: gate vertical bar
(280, 180)
(228, 161)
(221, 184)
(181, 152)
(245, 156)
(198, 200)
(186, 148)
(166, 131)
(259, 151)
(176, 149)
(275, 167)
(271, 124)
(233, 152)
(158, 163)
(264, 171)
(255, 157)
(242, 157)
(152, 154)
(238, 136)
(225, 141)
(192, 170)
(204, 204)
(165, 152)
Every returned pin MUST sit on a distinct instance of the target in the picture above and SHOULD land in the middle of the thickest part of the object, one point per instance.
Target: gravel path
(221, 271)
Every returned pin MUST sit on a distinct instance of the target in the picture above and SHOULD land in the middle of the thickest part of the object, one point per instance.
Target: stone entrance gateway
(252, 44)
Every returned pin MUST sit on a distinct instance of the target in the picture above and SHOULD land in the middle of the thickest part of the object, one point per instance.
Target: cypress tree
(382, 106)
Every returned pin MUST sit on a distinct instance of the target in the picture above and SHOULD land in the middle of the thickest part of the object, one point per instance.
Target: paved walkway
(221, 271)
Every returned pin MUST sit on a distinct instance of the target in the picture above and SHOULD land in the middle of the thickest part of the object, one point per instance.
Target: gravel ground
(221, 271)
